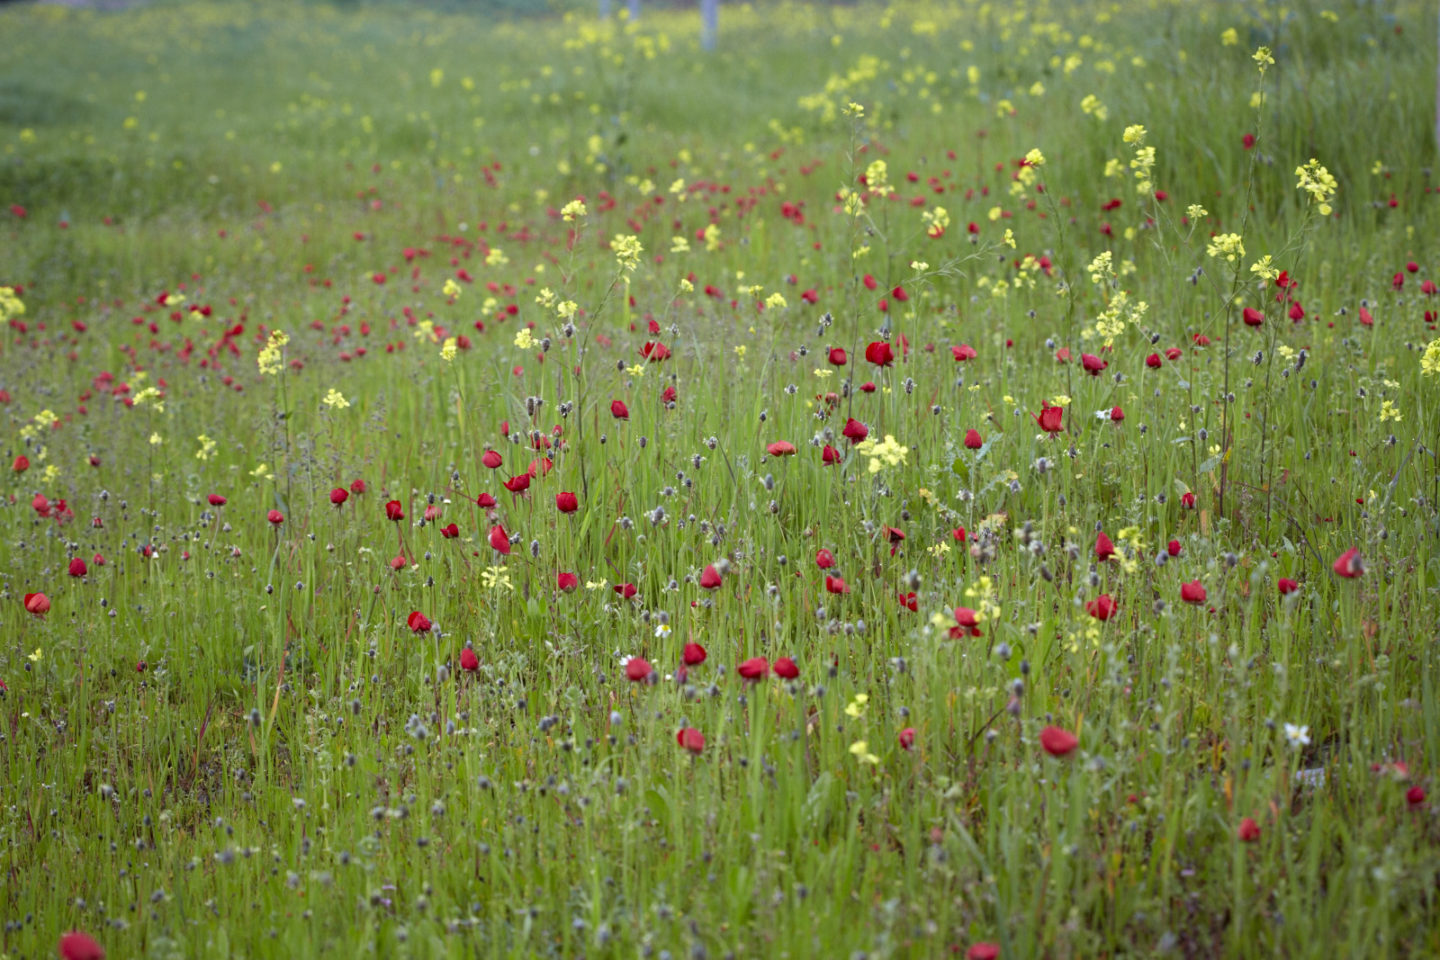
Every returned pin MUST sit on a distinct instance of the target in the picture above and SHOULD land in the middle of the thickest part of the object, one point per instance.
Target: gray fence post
(709, 23)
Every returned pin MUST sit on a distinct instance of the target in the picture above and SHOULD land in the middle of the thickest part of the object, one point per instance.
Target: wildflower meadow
(947, 478)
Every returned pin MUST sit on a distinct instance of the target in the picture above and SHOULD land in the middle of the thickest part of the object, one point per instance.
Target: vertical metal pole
(709, 23)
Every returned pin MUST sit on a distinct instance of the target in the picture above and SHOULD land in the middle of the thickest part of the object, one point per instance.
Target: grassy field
(938, 479)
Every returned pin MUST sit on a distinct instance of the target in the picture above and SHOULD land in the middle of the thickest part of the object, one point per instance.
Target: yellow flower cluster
(936, 221)
(335, 400)
(1100, 269)
(10, 305)
(271, 356)
(1264, 268)
(573, 211)
(1091, 106)
(885, 453)
(496, 578)
(627, 251)
(1143, 163)
(1430, 360)
(150, 395)
(877, 178)
(1227, 246)
(861, 750)
(1315, 180)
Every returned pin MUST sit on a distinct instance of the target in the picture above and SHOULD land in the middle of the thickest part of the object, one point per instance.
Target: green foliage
(225, 740)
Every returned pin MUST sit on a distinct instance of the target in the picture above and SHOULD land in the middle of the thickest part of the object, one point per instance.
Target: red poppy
(1092, 364)
(829, 455)
(973, 440)
(1102, 608)
(626, 590)
(1415, 796)
(984, 950)
(638, 669)
(1349, 564)
(37, 603)
(1248, 831)
(485, 501)
(80, 946)
(468, 661)
(1252, 317)
(781, 448)
(618, 410)
(216, 500)
(1173, 548)
(418, 622)
(1192, 592)
(910, 601)
(1153, 361)
(756, 668)
(492, 459)
(709, 577)
(394, 511)
(339, 495)
(1116, 415)
(1049, 418)
(275, 517)
(907, 738)
(867, 387)
(967, 624)
(499, 539)
(1057, 742)
(20, 464)
(837, 357)
(357, 487)
(1104, 549)
(1287, 587)
(880, 354)
(78, 568)
(854, 431)
(824, 559)
(1173, 353)
(835, 585)
(567, 502)
(1248, 141)
(655, 352)
(450, 532)
(963, 352)
(693, 655)
(691, 739)
(958, 534)
(518, 483)
(786, 668)
(565, 582)
(1187, 500)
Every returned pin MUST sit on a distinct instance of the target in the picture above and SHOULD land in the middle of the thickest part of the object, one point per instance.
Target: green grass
(235, 746)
